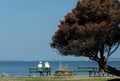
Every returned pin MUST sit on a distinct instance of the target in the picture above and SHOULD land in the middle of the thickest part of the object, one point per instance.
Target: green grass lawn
(57, 78)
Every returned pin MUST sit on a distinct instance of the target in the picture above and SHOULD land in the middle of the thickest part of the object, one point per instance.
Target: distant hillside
(114, 59)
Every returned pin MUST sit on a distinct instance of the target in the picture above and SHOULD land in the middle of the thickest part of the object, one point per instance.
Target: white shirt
(39, 65)
(47, 65)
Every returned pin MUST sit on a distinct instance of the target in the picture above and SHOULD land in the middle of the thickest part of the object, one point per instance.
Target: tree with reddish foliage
(92, 30)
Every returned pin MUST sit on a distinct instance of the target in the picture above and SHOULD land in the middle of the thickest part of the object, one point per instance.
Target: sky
(27, 26)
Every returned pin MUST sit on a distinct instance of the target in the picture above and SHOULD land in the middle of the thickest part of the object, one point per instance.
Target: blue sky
(27, 26)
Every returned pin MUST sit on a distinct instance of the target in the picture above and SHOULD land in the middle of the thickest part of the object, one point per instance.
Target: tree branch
(114, 49)
(111, 52)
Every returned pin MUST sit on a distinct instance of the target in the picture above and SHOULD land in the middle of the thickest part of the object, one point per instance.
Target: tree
(92, 30)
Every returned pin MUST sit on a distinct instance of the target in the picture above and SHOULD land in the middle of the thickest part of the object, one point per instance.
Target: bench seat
(40, 70)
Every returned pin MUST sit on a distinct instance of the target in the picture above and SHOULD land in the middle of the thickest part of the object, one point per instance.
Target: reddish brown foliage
(91, 30)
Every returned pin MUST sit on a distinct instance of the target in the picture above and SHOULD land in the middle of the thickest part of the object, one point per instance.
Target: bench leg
(46, 73)
(41, 74)
(94, 74)
(90, 73)
(30, 73)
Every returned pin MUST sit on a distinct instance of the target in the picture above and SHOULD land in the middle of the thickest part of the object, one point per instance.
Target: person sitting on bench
(47, 66)
(40, 65)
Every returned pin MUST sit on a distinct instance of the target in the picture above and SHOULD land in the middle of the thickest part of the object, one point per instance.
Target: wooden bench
(90, 70)
(40, 70)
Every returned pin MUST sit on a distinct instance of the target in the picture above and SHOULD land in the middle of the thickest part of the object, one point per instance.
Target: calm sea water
(21, 68)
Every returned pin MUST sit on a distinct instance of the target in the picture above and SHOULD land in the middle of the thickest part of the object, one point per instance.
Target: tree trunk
(109, 69)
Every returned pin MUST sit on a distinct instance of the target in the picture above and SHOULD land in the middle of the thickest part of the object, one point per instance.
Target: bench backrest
(85, 69)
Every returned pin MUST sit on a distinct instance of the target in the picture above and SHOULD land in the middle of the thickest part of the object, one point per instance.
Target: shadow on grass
(117, 79)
